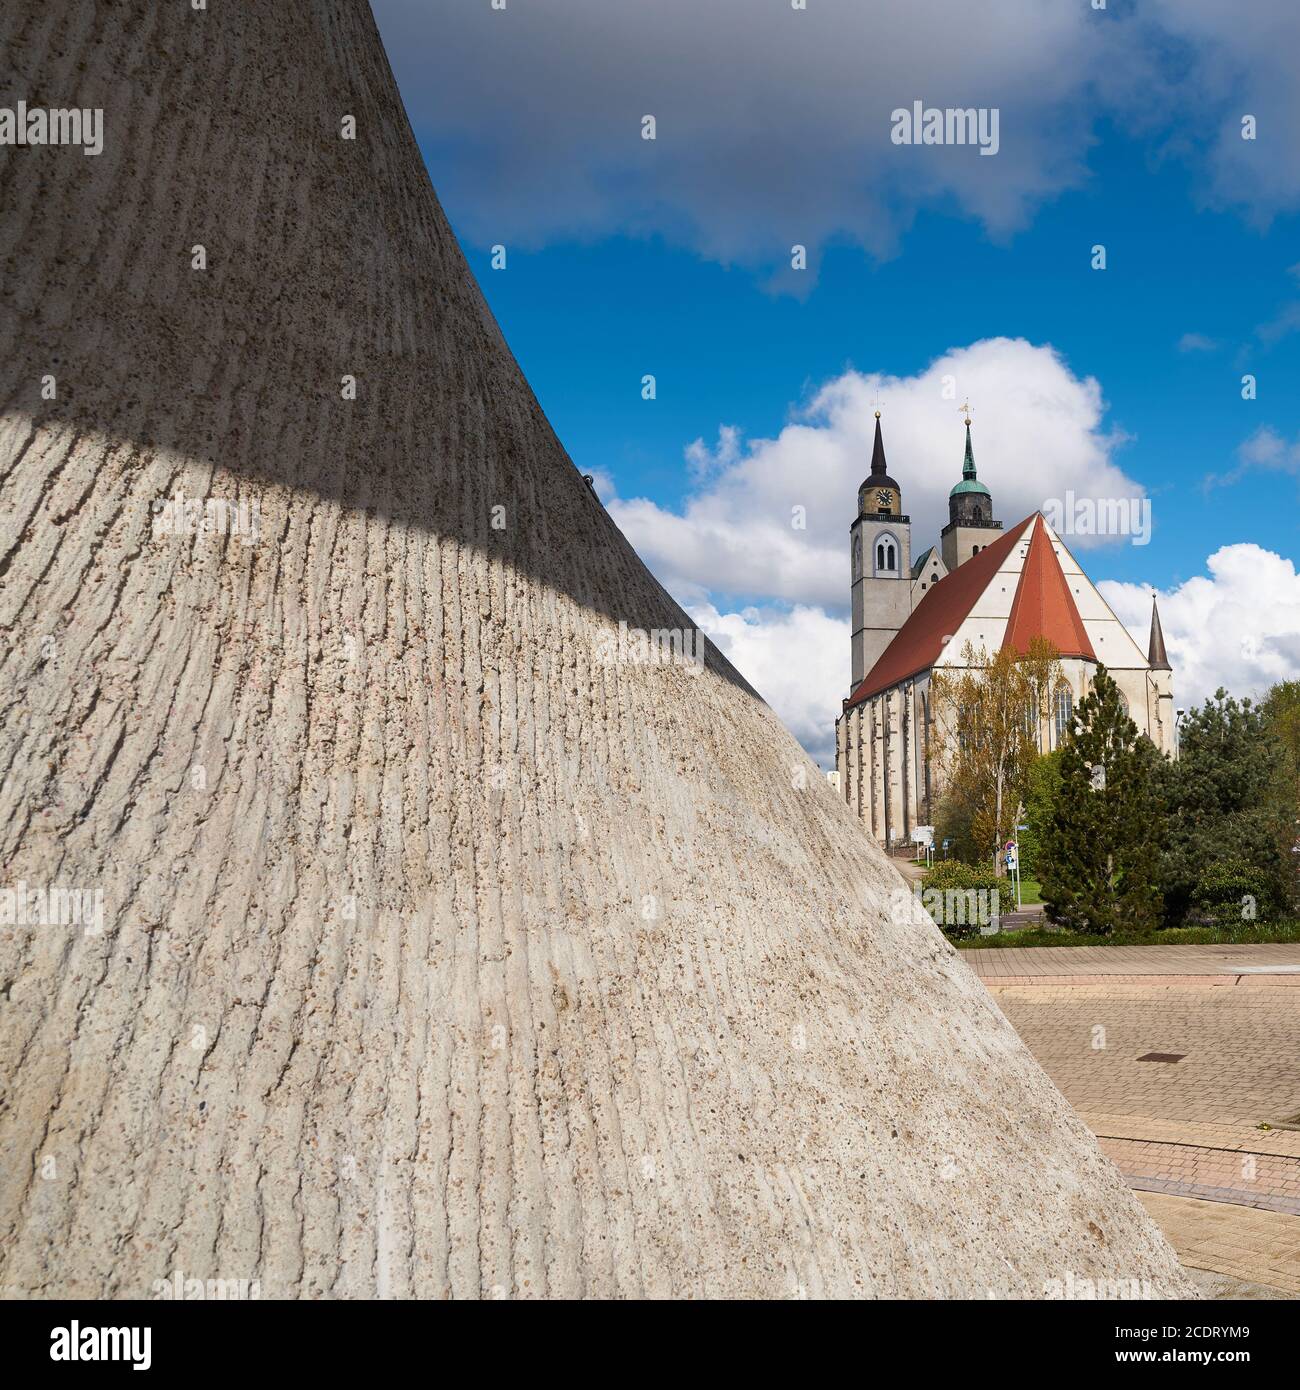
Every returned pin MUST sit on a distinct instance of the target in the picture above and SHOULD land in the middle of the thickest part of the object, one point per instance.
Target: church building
(984, 585)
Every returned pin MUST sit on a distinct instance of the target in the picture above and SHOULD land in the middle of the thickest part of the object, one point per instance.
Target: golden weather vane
(964, 407)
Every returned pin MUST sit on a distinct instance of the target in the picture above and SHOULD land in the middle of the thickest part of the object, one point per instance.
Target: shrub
(1231, 893)
(961, 897)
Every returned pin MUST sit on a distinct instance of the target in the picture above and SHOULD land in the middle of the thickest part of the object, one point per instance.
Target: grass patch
(1255, 934)
(1031, 892)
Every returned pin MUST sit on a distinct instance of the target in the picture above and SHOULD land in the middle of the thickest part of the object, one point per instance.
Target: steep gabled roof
(1043, 605)
(918, 643)
(919, 564)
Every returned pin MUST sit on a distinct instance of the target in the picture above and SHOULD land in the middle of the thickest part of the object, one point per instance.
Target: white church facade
(986, 586)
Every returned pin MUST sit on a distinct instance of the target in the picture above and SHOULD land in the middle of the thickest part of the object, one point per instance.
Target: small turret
(1156, 658)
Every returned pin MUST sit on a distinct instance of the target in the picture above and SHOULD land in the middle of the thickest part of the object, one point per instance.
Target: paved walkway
(1260, 1248)
(1267, 965)
(1185, 1062)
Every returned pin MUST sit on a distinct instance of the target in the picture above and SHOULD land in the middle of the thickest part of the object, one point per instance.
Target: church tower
(970, 514)
(881, 546)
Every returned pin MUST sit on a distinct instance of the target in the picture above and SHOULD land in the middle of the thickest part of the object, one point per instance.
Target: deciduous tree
(988, 716)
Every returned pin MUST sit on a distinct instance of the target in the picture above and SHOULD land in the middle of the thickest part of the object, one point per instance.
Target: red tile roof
(1044, 606)
(917, 644)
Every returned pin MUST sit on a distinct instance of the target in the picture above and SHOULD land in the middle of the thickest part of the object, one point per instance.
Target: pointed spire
(968, 466)
(1156, 658)
(878, 452)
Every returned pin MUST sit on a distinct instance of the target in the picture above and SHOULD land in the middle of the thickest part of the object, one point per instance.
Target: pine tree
(1100, 853)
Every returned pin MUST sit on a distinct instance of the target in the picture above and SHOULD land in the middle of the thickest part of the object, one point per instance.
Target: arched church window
(1031, 719)
(1123, 704)
(1064, 711)
(886, 555)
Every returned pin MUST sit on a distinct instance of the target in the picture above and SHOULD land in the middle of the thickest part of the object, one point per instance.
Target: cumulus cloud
(1237, 626)
(797, 659)
(1196, 342)
(769, 518)
(759, 550)
(773, 124)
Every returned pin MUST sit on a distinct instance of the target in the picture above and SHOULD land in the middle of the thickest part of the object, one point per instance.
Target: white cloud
(1196, 342)
(1038, 433)
(1264, 451)
(774, 596)
(1237, 627)
(798, 660)
(773, 124)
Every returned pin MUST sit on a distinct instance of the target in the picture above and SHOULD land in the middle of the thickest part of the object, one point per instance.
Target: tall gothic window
(1064, 709)
(1031, 719)
(886, 555)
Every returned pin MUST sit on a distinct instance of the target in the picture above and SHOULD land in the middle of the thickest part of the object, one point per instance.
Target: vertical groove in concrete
(440, 955)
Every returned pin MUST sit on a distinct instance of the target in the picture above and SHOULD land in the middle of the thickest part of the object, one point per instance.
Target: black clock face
(884, 497)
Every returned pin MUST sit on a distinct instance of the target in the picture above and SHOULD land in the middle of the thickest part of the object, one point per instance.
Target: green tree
(1100, 847)
(1229, 800)
(1042, 792)
(953, 817)
(1281, 711)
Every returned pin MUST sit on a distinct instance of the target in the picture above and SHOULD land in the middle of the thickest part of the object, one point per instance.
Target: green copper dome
(969, 482)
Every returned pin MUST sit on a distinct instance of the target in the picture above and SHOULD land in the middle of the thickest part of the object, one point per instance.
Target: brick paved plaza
(1187, 1133)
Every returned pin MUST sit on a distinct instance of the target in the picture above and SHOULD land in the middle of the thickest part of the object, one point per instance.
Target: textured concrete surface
(442, 954)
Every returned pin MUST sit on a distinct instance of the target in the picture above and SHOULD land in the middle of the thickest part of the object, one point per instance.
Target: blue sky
(627, 257)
